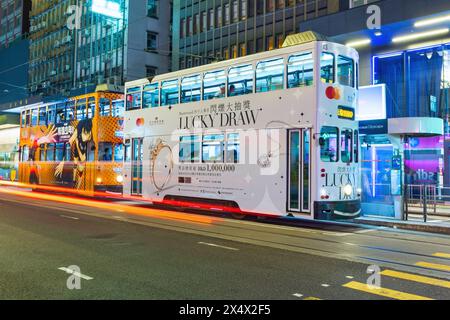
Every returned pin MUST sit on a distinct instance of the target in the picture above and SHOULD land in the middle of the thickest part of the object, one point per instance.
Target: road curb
(406, 226)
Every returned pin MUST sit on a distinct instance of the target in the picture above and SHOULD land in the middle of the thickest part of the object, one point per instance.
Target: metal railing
(426, 200)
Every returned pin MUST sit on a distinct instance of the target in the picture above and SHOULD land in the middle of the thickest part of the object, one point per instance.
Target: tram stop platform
(435, 223)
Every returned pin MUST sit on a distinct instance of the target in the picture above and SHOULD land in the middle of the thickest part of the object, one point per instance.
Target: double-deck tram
(75, 144)
(271, 133)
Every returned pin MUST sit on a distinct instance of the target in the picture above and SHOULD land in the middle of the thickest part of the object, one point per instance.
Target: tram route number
(226, 310)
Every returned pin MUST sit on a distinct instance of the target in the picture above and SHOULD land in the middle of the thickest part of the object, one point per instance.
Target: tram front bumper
(337, 210)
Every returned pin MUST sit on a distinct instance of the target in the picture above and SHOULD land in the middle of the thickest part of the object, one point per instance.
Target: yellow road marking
(433, 266)
(393, 294)
(312, 298)
(442, 255)
(416, 278)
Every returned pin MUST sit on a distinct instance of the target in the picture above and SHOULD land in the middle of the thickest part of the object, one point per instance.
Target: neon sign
(107, 8)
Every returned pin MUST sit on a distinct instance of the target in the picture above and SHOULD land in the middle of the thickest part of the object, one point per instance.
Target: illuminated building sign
(346, 113)
(372, 103)
(107, 8)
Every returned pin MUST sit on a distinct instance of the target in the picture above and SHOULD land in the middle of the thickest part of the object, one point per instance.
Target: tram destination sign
(346, 113)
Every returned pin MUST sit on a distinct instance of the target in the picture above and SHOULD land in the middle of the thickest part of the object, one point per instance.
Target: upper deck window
(270, 75)
(81, 109)
(169, 92)
(91, 107)
(240, 80)
(300, 70)
(151, 96)
(51, 114)
(346, 71)
(214, 85)
(327, 67)
(34, 117)
(105, 107)
(42, 116)
(191, 89)
(134, 98)
(118, 108)
(70, 110)
(60, 113)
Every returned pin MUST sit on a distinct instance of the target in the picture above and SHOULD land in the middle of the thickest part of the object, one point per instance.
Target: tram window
(151, 96)
(346, 145)
(60, 113)
(329, 144)
(300, 70)
(105, 151)
(23, 119)
(190, 149)
(51, 114)
(105, 107)
(68, 152)
(134, 98)
(91, 108)
(25, 153)
(270, 75)
(214, 85)
(357, 75)
(42, 152)
(70, 110)
(213, 148)
(118, 152)
(34, 117)
(50, 156)
(28, 118)
(59, 155)
(127, 153)
(169, 92)
(42, 116)
(81, 109)
(233, 148)
(346, 72)
(118, 108)
(327, 67)
(240, 80)
(191, 89)
(356, 146)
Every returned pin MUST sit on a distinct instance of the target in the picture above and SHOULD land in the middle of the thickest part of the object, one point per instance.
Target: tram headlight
(99, 180)
(119, 178)
(348, 190)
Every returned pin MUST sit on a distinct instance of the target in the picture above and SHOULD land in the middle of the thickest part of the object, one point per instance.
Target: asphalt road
(127, 252)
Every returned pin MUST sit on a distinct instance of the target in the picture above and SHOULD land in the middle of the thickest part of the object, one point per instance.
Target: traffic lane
(133, 261)
(401, 253)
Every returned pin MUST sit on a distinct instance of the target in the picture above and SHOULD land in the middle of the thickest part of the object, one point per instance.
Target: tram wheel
(238, 216)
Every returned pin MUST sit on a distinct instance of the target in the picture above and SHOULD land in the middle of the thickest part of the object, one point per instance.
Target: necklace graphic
(156, 160)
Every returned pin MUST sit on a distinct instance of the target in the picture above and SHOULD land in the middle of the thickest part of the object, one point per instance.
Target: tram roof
(232, 62)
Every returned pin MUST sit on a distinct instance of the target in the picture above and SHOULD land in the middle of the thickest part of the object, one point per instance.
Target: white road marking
(325, 285)
(298, 295)
(365, 231)
(349, 277)
(336, 234)
(80, 275)
(69, 217)
(217, 246)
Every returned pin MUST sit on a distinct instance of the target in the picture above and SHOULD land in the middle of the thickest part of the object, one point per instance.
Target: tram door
(299, 170)
(136, 166)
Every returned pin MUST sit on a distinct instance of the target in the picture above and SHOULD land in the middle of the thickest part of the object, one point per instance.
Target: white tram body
(271, 133)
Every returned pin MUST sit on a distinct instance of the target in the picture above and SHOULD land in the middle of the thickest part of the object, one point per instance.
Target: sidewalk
(434, 224)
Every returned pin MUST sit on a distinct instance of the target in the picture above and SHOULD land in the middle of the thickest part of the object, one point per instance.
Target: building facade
(78, 44)
(14, 20)
(211, 30)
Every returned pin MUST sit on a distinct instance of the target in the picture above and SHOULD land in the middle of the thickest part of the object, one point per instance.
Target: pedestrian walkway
(391, 290)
